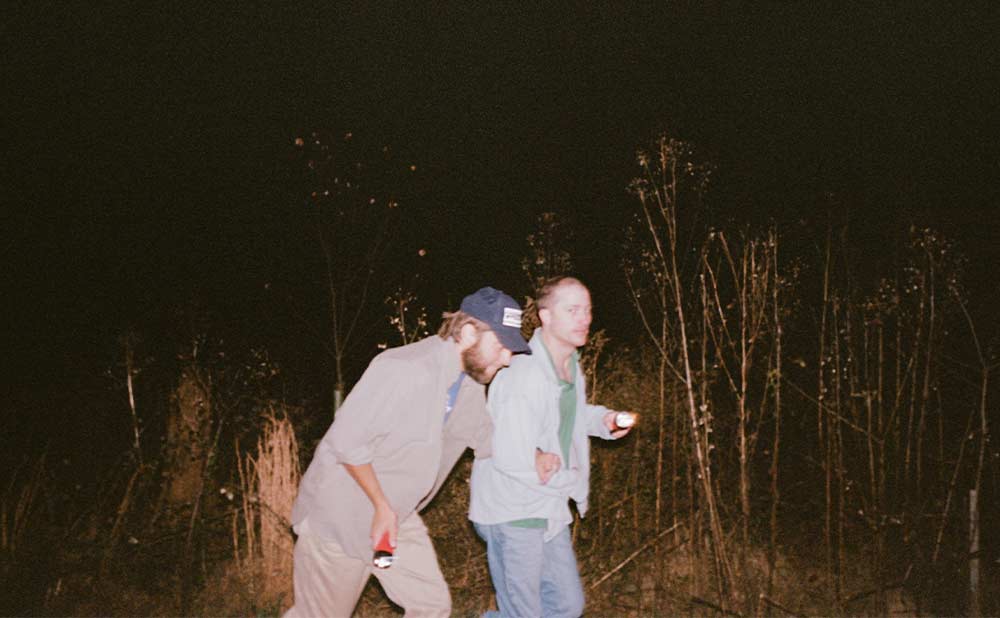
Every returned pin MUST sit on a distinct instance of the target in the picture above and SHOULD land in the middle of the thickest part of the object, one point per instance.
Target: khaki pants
(328, 582)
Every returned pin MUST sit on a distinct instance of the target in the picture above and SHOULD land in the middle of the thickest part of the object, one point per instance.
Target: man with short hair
(391, 446)
(540, 412)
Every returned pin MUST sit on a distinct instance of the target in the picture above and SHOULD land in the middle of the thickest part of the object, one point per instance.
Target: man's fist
(546, 464)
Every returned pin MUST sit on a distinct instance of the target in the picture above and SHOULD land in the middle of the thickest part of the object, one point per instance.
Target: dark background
(148, 151)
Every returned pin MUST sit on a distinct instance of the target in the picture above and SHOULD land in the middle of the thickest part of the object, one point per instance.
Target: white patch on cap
(512, 317)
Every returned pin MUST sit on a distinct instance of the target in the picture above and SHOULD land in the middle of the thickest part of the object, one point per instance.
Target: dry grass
(263, 561)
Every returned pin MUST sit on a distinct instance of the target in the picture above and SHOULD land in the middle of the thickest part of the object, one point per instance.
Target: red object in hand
(383, 553)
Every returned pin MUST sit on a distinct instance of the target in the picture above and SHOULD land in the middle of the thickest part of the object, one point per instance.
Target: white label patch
(512, 317)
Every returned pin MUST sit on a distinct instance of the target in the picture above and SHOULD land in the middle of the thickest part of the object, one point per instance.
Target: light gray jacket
(524, 405)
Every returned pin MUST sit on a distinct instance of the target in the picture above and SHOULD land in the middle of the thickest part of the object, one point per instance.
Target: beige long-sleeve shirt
(394, 420)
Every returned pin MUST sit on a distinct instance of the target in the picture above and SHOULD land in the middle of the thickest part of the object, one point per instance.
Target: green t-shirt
(567, 418)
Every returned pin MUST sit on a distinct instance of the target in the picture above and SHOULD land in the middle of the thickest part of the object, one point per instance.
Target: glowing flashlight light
(624, 420)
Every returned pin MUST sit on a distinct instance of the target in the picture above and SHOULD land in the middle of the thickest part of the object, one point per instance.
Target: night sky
(144, 147)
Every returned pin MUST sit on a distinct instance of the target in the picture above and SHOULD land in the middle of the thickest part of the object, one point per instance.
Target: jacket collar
(539, 351)
(451, 360)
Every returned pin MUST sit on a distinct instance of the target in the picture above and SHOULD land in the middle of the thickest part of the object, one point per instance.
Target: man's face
(485, 358)
(567, 318)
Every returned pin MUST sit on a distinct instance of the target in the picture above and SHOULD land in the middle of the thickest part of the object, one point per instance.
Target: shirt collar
(451, 366)
(538, 347)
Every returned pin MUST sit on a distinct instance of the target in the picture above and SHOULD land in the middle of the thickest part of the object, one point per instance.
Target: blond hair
(451, 327)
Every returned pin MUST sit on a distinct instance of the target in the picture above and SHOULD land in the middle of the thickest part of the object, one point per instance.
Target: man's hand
(384, 520)
(609, 422)
(546, 464)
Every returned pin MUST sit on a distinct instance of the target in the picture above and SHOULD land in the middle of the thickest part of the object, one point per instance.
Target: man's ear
(468, 336)
(544, 315)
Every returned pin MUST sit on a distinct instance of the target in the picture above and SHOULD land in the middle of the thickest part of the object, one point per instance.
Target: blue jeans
(532, 578)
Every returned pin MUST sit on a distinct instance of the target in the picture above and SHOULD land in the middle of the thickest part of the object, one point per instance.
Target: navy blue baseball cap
(501, 313)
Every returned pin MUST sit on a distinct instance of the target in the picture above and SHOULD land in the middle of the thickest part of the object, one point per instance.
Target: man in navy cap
(391, 446)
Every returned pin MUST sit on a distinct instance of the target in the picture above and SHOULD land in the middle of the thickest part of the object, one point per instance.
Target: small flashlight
(383, 553)
(624, 420)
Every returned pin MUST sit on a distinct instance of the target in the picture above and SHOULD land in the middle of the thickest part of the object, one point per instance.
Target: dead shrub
(269, 481)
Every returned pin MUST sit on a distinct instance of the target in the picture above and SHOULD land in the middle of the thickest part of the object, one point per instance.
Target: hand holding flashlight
(620, 423)
(384, 553)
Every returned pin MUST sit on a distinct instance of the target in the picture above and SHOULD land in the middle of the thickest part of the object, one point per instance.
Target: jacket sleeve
(518, 432)
(367, 413)
(594, 417)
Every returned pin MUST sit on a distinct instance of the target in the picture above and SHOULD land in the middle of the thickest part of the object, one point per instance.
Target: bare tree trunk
(661, 394)
(129, 375)
(822, 417)
(984, 433)
(699, 424)
(926, 390)
(658, 193)
(879, 500)
(695, 514)
(338, 346)
(837, 438)
(636, 484)
(908, 483)
(896, 417)
(343, 317)
(873, 425)
(776, 439)
(701, 443)
(188, 435)
(975, 604)
(945, 513)
(659, 461)
(676, 444)
(742, 401)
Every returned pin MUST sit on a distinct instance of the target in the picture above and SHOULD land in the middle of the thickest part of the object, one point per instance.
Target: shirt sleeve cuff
(356, 456)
